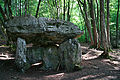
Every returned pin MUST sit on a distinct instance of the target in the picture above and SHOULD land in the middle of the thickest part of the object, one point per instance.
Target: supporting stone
(34, 54)
(47, 55)
(70, 54)
(20, 57)
(50, 58)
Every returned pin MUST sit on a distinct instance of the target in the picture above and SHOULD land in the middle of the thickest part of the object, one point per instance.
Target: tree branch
(80, 2)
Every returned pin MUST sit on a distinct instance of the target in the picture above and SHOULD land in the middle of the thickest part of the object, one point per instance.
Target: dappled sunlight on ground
(92, 68)
(90, 53)
(5, 53)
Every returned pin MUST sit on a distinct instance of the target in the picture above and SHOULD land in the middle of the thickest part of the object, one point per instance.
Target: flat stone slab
(43, 31)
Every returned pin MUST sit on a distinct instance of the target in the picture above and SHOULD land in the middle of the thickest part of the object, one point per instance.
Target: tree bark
(117, 24)
(9, 8)
(86, 39)
(25, 7)
(68, 12)
(20, 8)
(64, 11)
(86, 19)
(38, 8)
(108, 27)
(98, 27)
(5, 6)
(103, 29)
(93, 22)
(28, 6)
(16, 7)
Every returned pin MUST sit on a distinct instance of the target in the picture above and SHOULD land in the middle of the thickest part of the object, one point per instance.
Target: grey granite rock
(20, 59)
(70, 54)
(50, 58)
(47, 55)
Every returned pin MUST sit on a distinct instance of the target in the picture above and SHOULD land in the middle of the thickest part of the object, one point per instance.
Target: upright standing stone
(50, 58)
(70, 54)
(21, 60)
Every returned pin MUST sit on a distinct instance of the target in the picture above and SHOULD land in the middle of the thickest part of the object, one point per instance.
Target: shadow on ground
(93, 68)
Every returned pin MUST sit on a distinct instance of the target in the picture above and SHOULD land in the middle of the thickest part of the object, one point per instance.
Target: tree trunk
(86, 39)
(20, 8)
(108, 27)
(57, 9)
(64, 11)
(117, 24)
(87, 22)
(37, 8)
(85, 17)
(93, 22)
(5, 6)
(9, 8)
(103, 29)
(25, 7)
(16, 7)
(98, 27)
(28, 7)
(68, 12)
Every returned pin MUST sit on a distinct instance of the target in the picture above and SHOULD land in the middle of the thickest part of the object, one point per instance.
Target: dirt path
(93, 68)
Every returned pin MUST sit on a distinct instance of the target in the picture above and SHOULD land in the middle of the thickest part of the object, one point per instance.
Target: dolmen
(51, 42)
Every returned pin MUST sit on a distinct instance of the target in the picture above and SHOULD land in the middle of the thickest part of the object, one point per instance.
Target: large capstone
(42, 31)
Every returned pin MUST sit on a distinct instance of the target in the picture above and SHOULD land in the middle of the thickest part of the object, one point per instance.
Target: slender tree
(98, 27)
(93, 22)
(86, 19)
(103, 30)
(20, 8)
(57, 9)
(108, 27)
(38, 8)
(64, 11)
(86, 38)
(25, 7)
(16, 7)
(9, 8)
(68, 11)
(5, 6)
(28, 6)
(117, 23)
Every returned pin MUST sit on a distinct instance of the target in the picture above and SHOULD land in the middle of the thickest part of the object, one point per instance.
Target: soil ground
(92, 67)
